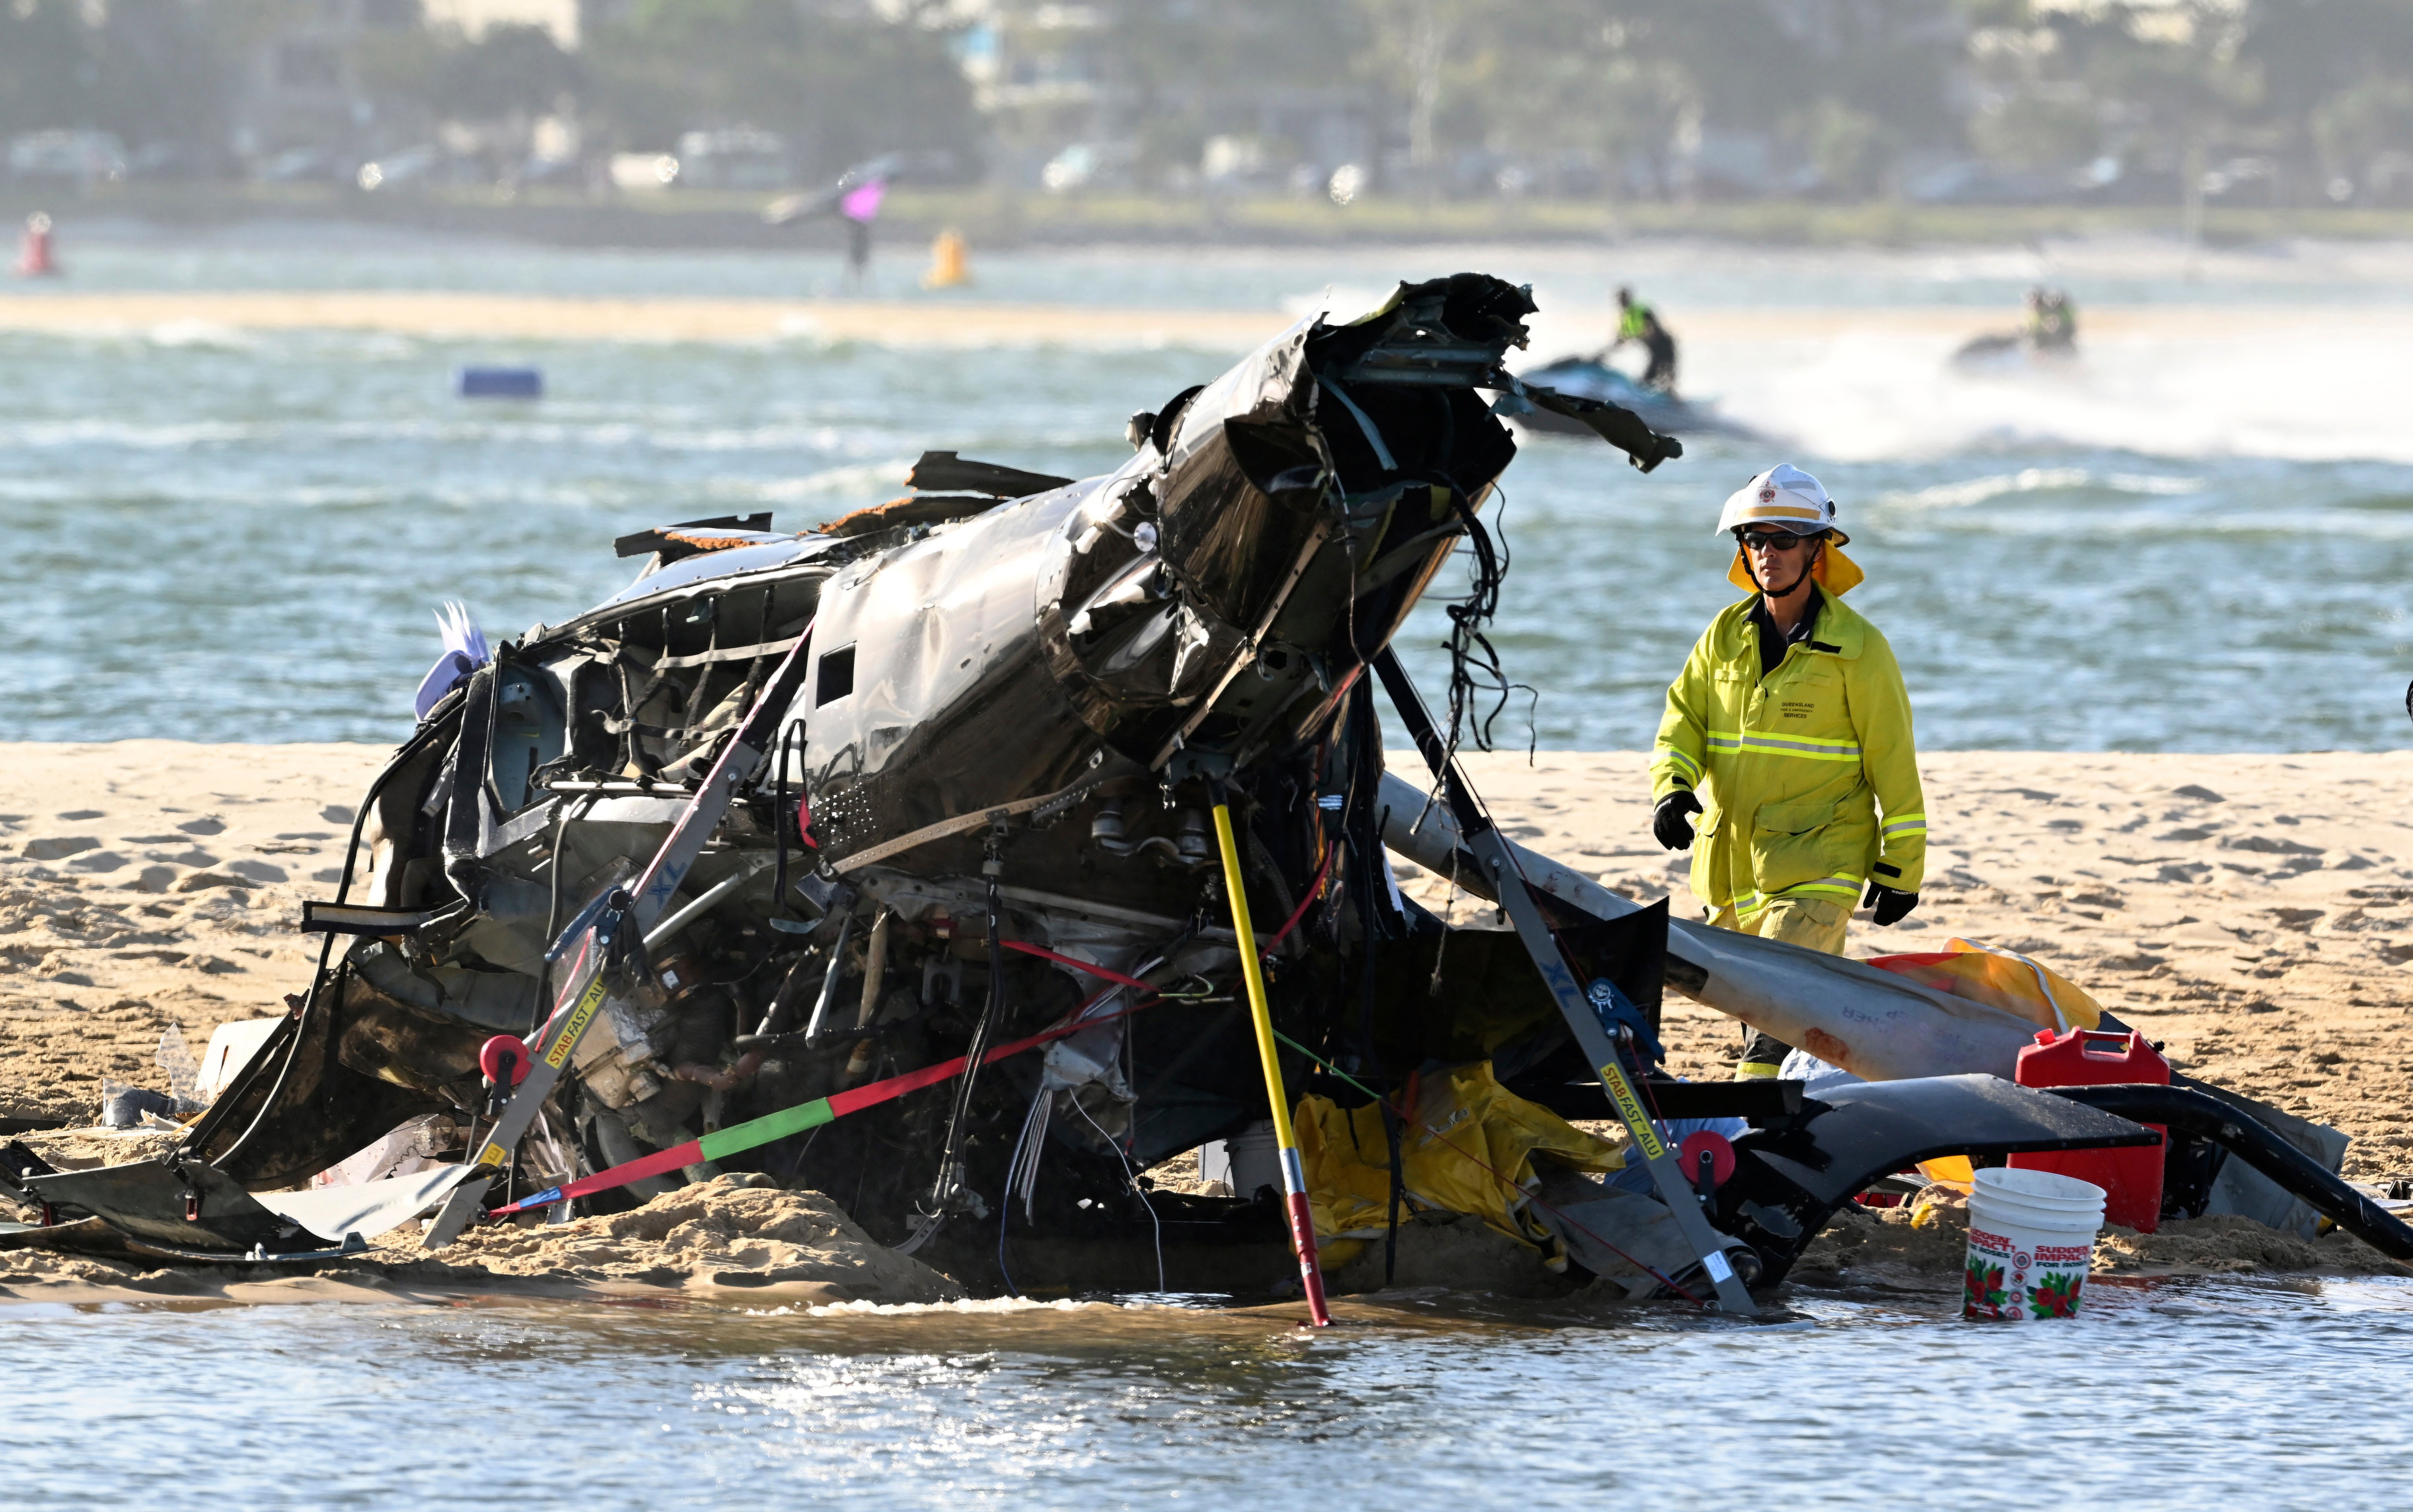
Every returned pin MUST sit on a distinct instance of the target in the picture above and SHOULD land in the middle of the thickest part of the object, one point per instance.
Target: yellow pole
(1302, 1220)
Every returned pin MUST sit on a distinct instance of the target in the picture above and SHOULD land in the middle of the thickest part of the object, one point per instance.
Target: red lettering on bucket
(2064, 1255)
(1995, 1243)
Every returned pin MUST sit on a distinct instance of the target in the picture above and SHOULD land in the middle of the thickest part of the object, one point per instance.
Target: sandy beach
(2252, 913)
(954, 322)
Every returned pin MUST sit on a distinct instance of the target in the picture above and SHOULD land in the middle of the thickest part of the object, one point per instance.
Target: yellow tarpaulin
(1348, 1160)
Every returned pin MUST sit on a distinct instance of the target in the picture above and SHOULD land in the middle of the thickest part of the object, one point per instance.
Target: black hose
(2251, 1140)
(781, 813)
(571, 810)
(990, 1012)
(1004, 1214)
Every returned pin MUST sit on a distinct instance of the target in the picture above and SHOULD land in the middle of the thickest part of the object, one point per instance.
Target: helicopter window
(835, 678)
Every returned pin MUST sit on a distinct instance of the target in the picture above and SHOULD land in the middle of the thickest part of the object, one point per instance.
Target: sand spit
(726, 1237)
(948, 321)
(146, 882)
(2255, 913)
(927, 323)
(1879, 1247)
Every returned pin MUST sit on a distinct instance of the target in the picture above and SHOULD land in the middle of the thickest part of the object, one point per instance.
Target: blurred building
(298, 102)
(566, 20)
(1041, 80)
(1086, 95)
(301, 109)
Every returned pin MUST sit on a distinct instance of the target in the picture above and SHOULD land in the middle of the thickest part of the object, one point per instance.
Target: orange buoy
(34, 249)
(948, 269)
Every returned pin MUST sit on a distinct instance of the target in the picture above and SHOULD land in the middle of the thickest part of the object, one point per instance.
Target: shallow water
(2178, 546)
(2169, 1395)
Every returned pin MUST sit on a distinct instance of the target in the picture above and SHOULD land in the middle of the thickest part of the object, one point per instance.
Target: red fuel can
(2131, 1179)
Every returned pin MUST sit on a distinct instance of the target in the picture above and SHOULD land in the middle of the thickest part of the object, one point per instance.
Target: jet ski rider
(1640, 323)
(1790, 719)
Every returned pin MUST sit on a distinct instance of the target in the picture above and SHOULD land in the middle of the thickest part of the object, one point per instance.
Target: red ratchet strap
(1324, 869)
(1090, 967)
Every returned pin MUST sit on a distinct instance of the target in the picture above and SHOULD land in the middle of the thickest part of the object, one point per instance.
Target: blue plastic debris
(502, 383)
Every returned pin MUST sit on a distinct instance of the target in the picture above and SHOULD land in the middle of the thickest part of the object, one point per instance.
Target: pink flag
(863, 203)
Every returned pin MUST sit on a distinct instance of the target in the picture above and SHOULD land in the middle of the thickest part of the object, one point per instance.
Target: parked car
(737, 157)
(83, 156)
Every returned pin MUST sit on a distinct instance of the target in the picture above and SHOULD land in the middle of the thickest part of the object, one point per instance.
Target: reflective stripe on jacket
(1792, 770)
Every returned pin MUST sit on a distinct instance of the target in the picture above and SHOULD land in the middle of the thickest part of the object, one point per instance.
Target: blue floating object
(502, 383)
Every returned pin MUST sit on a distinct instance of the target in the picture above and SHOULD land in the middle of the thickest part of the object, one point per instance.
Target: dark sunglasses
(1771, 539)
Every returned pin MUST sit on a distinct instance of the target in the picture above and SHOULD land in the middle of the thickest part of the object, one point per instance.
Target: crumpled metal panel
(1222, 530)
(1873, 1023)
(183, 1203)
(950, 707)
(1789, 1180)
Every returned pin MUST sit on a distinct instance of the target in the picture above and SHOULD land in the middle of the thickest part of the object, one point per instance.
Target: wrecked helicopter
(780, 858)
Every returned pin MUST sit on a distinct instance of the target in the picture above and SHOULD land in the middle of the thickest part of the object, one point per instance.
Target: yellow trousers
(1813, 923)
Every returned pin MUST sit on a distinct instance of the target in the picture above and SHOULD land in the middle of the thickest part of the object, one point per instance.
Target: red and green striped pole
(757, 1132)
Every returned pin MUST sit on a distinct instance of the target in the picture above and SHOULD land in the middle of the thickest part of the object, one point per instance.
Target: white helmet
(1783, 496)
(1787, 497)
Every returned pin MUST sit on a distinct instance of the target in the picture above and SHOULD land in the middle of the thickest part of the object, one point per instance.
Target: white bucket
(1247, 1161)
(2031, 1244)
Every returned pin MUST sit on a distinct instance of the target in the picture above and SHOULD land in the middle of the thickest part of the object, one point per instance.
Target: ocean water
(2194, 539)
(2171, 1395)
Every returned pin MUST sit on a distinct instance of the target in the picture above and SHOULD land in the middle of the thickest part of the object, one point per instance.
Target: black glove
(1668, 824)
(1892, 905)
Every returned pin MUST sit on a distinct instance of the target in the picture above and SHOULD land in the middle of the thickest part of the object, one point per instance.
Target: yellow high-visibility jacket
(1792, 770)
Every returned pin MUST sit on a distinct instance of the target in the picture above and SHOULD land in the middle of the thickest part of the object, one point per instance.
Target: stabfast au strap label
(558, 1051)
(1629, 1108)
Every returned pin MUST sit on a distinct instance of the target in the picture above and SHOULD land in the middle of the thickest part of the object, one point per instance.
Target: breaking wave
(2317, 392)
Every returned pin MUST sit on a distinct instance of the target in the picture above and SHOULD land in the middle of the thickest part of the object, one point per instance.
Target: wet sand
(734, 1237)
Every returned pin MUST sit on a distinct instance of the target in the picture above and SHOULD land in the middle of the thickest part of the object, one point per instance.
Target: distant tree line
(2298, 100)
(1846, 97)
(2311, 99)
(837, 81)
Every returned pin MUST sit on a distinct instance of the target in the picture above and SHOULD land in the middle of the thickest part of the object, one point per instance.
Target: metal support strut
(1490, 850)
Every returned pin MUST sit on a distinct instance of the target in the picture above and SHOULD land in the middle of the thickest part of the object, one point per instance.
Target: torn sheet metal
(340, 1214)
(188, 1208)
(1791, 1176)
(1877, 1025)
(1628, 1239)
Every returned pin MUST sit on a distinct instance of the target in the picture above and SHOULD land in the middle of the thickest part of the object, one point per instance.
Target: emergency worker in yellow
(1788, 733)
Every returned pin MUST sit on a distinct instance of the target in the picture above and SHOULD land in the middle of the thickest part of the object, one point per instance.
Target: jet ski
(1591, 378)
(2050, 337)
(2009, 351)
